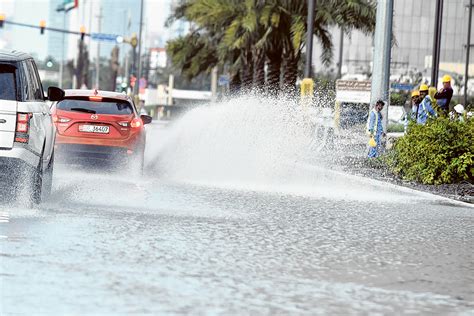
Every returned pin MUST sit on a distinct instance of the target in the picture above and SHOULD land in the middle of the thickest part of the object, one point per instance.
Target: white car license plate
(101, 129)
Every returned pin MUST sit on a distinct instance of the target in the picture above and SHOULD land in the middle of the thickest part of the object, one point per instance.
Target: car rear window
(7, 83)
(106, 106)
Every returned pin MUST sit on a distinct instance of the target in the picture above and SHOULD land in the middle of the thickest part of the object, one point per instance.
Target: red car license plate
(101, 129)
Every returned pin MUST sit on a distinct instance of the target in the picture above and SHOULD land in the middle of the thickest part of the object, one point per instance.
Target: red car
(99, 125)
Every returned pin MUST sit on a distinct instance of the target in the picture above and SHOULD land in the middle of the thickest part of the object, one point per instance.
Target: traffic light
(82, 30)
(2, 19)
(134, 40)
(42, 26)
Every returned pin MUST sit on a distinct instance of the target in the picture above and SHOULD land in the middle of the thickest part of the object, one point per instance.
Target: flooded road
(328, 243)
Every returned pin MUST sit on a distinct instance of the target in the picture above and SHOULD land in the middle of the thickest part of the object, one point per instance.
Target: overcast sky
(32, 11)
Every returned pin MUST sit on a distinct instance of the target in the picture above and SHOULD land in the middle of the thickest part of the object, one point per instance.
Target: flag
(67, 5)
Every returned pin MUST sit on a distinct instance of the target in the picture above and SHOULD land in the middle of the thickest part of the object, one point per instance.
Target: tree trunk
(85, 74)
(247, 71)
(80, 64)
(114, 66)
(290, 73)
(274, 71)
(259, 71)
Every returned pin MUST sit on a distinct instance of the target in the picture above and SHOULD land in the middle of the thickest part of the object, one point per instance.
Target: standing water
(237, 214)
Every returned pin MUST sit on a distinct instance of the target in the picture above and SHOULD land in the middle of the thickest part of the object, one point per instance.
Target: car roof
(99, 93)
(13, 55)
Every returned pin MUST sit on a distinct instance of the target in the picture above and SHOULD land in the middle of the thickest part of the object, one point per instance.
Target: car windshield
(7, 82)
(107, 106)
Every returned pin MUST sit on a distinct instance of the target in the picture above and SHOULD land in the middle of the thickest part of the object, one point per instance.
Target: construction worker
(431, 93)
(425, 109)
(415, 103)
(413, 114)
(444, 95)
(375, 129)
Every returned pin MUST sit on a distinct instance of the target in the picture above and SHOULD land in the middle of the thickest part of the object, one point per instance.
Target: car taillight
(59, 119)
(22, 127)
(136, 123)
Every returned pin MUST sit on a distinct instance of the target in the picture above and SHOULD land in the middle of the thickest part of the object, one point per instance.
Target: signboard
(104, 37)
(402, 86)
(353, 91)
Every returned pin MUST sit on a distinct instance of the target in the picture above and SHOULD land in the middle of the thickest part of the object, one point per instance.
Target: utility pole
(382, 54)
(436, 43)
(309, 39)
(468, 49)
(137, 83)
(61, 63)
(307, 84)
(97, 62)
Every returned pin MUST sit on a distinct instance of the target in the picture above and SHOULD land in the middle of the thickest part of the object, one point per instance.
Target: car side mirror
(146, 119)
(55, 94)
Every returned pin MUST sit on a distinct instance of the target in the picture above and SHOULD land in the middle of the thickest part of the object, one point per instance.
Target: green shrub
(442, 151)
(395, 128)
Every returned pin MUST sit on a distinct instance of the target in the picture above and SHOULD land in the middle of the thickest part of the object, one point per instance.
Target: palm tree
(291, 28)
(245, 34)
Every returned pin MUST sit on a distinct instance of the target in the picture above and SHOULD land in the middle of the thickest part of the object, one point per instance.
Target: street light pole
(138, 76)
(468, 49)
(383, 46)
(97, 62)
(436, 43)
(309, 39)
(61, 63)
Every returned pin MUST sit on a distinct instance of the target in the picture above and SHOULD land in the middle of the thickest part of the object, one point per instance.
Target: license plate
(101, 129)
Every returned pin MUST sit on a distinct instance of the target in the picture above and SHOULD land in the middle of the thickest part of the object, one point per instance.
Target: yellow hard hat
(446, 78)
(424, 87)
(415, 93)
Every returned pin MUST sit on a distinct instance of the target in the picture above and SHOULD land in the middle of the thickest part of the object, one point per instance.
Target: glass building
(413, 28)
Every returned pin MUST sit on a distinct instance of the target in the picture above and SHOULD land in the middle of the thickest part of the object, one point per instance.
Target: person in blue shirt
(375, 128)
(425, 109)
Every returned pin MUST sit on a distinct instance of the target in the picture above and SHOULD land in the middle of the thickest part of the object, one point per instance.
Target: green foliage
(398, 98)
(395, 128)
(234, 32)
(442, 151)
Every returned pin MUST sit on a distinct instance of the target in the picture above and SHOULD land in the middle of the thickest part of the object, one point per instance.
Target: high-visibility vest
(376, 124)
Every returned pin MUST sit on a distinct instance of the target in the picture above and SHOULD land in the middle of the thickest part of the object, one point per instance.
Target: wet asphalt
(111, 243)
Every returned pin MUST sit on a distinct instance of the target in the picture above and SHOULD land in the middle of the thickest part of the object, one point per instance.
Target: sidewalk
(348, 153)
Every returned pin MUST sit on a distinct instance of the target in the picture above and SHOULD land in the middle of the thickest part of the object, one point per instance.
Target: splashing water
(260, 143)
(248, 139)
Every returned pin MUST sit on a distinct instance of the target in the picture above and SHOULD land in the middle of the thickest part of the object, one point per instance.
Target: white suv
(27, 132)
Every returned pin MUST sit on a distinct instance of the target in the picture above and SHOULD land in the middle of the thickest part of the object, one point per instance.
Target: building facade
(57, 42)
(413, 28)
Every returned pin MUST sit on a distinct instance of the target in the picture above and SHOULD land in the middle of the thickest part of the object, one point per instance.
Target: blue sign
(223, 80)
(104, 37)
(402, 86)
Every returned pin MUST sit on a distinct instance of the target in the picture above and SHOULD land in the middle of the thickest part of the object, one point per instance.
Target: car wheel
(48, 177)
(37, 183)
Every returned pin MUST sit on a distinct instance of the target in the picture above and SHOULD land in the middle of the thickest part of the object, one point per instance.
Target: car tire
(48, 177)
(37, 183)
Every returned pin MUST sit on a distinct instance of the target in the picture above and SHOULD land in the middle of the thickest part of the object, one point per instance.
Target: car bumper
(131, 143)
(76, 152)
(18, 156)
